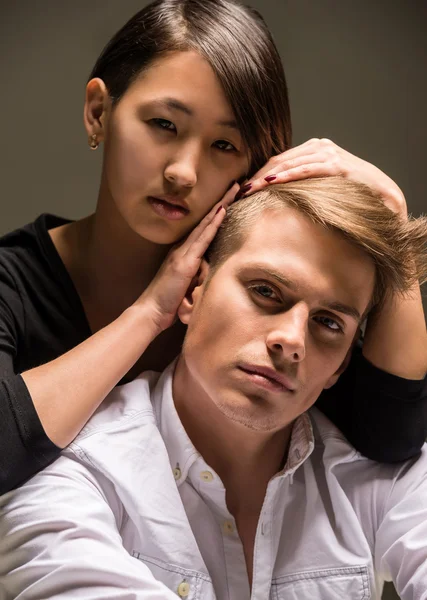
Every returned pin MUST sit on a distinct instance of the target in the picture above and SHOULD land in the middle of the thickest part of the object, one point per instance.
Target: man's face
(274, 324)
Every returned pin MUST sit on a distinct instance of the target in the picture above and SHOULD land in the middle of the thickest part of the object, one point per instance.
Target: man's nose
(182, 169)
(287, 337)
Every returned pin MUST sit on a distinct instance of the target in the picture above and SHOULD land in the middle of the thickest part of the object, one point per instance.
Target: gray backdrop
(356, 72)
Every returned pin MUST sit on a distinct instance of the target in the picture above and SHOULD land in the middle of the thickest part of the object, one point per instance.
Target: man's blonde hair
(397, 247)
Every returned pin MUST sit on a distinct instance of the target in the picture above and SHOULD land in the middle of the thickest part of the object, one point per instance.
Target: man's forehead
(307, 257)
(275, 230)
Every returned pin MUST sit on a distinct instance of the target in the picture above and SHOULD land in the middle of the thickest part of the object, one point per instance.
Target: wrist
(145, 318)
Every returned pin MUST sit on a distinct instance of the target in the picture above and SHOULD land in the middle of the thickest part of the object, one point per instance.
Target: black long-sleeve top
(42, 317)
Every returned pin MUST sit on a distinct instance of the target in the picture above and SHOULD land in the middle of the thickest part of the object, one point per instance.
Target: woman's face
(172, 148)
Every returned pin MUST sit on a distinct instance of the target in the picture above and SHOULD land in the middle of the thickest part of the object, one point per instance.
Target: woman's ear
(194, 293)
(96, 108)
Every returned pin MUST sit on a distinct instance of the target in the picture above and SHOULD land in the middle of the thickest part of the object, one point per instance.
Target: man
(212, 480)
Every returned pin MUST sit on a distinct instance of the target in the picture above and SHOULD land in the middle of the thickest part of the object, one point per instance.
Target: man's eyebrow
(345, 309)
(175, 104)
(278, 276)
(340, 307)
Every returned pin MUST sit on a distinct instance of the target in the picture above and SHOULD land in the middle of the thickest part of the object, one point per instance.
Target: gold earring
(93, 142)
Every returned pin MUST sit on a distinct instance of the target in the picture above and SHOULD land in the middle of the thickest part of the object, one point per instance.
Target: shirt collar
(181, 451)
(183, 454)
(301, 444)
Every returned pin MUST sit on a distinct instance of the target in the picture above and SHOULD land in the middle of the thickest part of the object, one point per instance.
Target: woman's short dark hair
(236, 42)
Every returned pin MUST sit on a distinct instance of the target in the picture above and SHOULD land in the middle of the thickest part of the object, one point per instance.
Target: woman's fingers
(312, 146)
(302, 168)
(307, 165)
(323, 158)
(300, 162)
(196, 244)
(230, 195)
(225, 202)
(305, 171)
(194, 248)
(181, 266)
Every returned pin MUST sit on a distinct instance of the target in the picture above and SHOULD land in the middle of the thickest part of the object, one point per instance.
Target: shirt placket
(265, 548)
(212, 490)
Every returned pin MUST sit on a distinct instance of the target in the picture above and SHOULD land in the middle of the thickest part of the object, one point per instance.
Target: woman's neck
(120, 255)
(109, 263)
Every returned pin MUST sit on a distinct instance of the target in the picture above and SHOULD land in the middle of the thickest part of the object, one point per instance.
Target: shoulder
(26, 279)
(131, 401)
(122, 443)
(372, 488)
(24, 254)
(29, 238)
(367, 483)
(105, 458)
(326, 433)
(337, 450)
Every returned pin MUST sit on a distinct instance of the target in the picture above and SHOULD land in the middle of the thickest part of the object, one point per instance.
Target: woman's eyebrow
(175, 104)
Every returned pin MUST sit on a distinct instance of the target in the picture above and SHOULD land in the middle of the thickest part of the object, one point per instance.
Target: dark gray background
(356, 72)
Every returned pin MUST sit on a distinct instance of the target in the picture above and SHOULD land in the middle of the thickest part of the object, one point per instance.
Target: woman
(187, 98)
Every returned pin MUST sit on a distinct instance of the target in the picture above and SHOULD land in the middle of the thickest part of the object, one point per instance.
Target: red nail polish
(270, 178)
(218, 209)
(245, 188)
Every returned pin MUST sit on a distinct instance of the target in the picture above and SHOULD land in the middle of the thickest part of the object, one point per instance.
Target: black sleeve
(25, 448)
(383, 416)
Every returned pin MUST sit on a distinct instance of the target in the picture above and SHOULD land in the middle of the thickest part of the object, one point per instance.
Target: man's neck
(244, 459)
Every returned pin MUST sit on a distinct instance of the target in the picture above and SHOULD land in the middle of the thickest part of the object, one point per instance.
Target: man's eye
(329, 323)
(225, 146)
(265, 291)
(164, 124)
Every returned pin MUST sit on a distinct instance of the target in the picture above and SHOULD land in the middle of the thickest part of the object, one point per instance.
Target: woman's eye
(164, 124)
(224, 145)
(329, 323)
(265, 291)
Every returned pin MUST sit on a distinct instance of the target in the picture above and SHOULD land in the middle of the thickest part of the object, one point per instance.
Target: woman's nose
(183, 169)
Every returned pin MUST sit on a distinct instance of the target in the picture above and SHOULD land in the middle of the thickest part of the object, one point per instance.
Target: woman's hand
(323, 158)
(180, 267)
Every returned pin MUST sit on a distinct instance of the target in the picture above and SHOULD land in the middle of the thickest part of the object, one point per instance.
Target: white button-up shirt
(132, 511)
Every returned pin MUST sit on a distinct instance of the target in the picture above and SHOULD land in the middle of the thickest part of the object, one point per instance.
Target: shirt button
(228, 527)
(206, 476)
(183, 589)
(177, 472)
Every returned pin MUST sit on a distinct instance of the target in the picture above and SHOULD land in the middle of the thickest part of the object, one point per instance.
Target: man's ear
(193, 294)
(334, 378)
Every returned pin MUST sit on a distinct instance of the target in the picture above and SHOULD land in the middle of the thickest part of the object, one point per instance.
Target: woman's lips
(167, 210)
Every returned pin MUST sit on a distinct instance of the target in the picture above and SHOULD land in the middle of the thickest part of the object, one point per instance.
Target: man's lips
(270, 375)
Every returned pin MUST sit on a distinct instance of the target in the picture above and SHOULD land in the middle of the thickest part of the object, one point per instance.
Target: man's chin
(252, 412)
